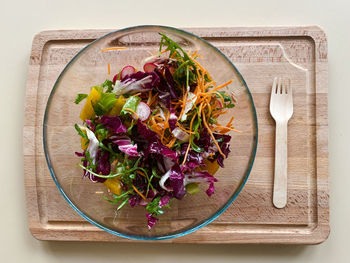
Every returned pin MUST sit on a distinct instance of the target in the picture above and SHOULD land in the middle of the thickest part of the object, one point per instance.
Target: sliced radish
(127, 70)
(143, 111)
(149, 67)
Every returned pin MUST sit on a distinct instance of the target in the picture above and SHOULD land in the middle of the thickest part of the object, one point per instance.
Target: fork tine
(289, 88)
(285, 87)
(274, 86)
(279, 87)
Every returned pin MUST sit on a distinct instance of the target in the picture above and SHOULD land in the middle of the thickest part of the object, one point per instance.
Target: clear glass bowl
(89, 68)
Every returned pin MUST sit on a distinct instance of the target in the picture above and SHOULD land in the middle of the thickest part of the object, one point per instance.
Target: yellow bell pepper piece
(114, 185)
(117, 107)
(88, 111)
(211, 167)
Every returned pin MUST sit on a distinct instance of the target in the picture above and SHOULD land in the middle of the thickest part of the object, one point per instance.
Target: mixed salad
(151, 136)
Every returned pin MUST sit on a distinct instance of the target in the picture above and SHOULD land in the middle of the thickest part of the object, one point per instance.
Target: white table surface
(20, 20)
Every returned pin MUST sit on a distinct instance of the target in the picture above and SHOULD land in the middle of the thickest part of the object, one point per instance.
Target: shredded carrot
(182, 128)
(199, 65)
(141, 173)
(138, 94)
(202, 68)
(183, 106)
(133, 112)
(212, 136)
(171, 143)
(112, 48)
(140, 194)
(109, 69)
(209, 107)
(221, 97)
(219, 87)
(165, 126)
(189, 145)
(229, 123)
(219, 112)
(199, 80)
(149, 97)
(223, 130)
(153, 99)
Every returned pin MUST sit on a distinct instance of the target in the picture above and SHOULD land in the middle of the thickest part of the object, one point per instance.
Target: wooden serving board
(260, 54)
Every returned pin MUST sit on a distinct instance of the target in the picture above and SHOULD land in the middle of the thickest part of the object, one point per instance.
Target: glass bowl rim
(176, 234)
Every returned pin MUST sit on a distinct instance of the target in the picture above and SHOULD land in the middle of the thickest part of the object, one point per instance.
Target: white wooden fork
(281, 109)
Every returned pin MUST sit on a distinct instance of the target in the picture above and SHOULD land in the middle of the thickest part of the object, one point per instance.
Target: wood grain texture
(260, 54)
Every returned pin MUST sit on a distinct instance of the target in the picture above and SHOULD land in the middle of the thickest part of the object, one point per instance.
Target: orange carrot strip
(140, 194)
(189, 145)
(202, 68)
(222, 98)
(133, 112)
(222, 129)
(182, 128)
(171, 143)
(112, 48)
(109, 69)
(141, 173)
(149, 97)
(153, 99)
(194, 53)
(183, 106)
(212, 136)
(219, 87)
(229, 123)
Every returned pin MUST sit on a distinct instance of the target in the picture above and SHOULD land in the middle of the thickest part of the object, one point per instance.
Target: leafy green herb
(108, 85)
(150, 117)
(149, 184)
(194, 146)
(213, 120)
(89, 160)
(80, 132)
(130, 127)
(154, 173)
(177, 145)
(80, 97)
(223, 94)
(108, 149)
(153, 207)
(196, 126)
(123, 198)
(206, 78)
(226, 99)
(101, 132)
(184, 74)
(220, 140)
(173, 47)
(124, 169)
(123, 203)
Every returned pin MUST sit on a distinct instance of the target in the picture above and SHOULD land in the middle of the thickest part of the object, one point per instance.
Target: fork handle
(281, 165)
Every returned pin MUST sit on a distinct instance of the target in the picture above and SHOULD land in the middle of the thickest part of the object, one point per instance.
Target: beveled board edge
(208, 234)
